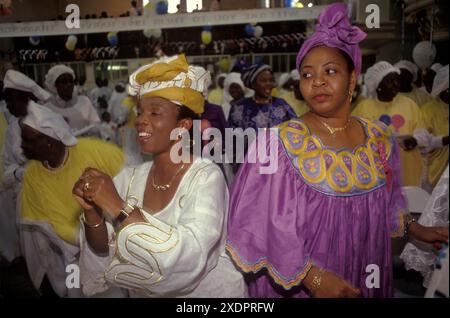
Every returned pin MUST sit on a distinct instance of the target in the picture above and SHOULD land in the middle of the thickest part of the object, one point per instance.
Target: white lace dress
(419, 256)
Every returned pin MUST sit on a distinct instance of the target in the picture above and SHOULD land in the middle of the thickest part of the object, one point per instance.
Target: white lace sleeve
(419, 256)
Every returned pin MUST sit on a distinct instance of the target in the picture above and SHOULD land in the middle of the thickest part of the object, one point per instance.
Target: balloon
(385, 119)
(162, 7)
(224, 65)
(423, 54)
(35, 40)
(207, 28)
(156, 33)
(206, 37)
(258, 31)
(72, 39)
(112, 38)
(70, 46)
(398, 121)
(249, 29)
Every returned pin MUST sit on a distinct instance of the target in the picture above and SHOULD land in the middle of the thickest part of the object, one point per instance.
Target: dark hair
(8, 91)
(185, 112)
(348, 60)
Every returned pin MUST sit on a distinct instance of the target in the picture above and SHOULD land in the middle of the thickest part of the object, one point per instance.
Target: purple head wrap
(334, 30)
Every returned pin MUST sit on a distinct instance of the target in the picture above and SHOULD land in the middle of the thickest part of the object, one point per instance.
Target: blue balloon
(113, 40)
(249, 29)
(288, 3)
(207, 28)
(386, 119)
(162, 7)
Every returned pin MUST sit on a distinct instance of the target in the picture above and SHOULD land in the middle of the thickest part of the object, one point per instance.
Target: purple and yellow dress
(335, 209)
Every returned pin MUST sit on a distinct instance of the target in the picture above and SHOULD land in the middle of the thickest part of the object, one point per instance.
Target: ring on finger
(86, 186)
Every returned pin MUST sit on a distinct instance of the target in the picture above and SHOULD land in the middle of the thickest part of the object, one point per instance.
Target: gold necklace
(333, 130)
(166, 186)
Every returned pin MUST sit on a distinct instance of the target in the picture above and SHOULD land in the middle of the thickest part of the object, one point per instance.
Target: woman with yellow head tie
(165, 221)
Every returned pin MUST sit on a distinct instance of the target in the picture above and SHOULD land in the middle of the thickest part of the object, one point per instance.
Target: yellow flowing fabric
(47, 195)
(3, 127)
(419, 96)
(299, 106)
(435, 116)
(215, 96)
(405, 117)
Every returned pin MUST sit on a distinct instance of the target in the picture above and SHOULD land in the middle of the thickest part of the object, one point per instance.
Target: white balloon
(258, 31)
(72, 39)
(148, 33)
(424, 54)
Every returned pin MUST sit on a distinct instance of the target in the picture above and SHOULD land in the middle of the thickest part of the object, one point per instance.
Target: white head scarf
(375, 74)
(53, 74)
(16, 80)
(295, 75)
(410, 66)
(436, 67)
(284, 78)
(440, 82)
(234, 78)
(49, 123)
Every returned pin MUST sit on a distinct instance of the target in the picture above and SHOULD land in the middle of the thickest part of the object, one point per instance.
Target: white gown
(419, 256)
(178, 252)
(14, 164)
(78, 112)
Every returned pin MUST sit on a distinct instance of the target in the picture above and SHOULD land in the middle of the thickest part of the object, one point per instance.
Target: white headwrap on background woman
(50, 124)
(409, 66)
(375, 74)
(440, 82)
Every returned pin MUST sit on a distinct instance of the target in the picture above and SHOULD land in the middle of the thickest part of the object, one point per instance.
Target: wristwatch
(126, 210)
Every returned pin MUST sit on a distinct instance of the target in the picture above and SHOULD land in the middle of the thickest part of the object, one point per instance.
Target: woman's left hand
(434, 235)
(99, 189)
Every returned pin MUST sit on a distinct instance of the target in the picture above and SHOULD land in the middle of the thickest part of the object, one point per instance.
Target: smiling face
(264, 84)
(64, 85)
(325, 80)
(157, 117)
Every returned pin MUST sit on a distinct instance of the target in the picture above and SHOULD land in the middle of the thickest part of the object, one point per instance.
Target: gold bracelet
(91, 226)
(317, 280)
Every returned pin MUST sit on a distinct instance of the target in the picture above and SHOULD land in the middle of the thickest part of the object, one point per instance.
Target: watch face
(122, 216)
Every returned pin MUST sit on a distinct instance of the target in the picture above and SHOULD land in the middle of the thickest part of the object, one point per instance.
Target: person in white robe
(159, 229)
(20, 92)
(77, 110)
(419, 256)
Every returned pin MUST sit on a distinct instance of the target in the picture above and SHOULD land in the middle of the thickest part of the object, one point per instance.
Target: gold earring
(350, 95)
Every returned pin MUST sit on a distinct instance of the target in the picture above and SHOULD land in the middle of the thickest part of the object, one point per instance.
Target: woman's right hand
(331, 285)
(78, 193)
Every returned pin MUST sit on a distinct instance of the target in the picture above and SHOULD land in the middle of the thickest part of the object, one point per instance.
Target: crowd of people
(89, 179)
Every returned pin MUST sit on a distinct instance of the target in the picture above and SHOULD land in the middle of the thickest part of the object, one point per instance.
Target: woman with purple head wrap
(321, 222)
